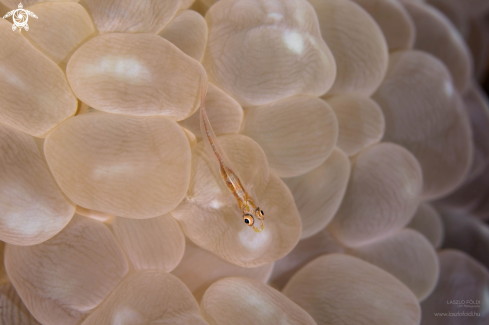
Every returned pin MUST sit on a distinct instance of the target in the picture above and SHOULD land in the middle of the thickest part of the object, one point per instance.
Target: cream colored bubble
(208, 3)
(200, 268)
(128, 166)
(469, 197)
(408, 256)
(93, 214)
(201, 7)
(136, 74)
(70, 274)
(455, 11)
(466, 8)
(132, 16)
(304, 252)
(428, 222)
(192, 139)
(241, 301)
(32, 209)
(318, 193)
(69, 24)
(25, 70)
(343, 290)
(395, 23)
(147, 298)
(210, 215)
(482, 211)
(477, 106)
(225, 114)
(186, 4)
(84, 108)
(357, 44)
(424, 113)
(3, 9)
(297, 134)
(12, 309)
(435, 34)
(188, 31)
(381, 197)
(151, 244)
(361, 122)
(466, 233)
(470, 194)
(260, 51)
(461, 279)
(478, 42)
(3, 272)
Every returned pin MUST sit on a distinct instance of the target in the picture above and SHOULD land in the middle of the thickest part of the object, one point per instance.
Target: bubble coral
(358, 126)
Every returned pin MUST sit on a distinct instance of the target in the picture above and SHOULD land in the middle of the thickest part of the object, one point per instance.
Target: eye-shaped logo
(20, 17)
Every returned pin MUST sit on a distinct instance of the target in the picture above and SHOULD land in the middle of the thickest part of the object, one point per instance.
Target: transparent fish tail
(214, 150)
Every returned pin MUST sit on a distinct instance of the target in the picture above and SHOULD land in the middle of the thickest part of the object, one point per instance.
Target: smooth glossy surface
(394, 21)
(136, 74)
(211, 218)
(132, 16)
(128, 166)
(12, 309)
(435, 34)
(25, 70)
(200, 268)
(424, 113)
(188, 31)
(477, 107)
(427, 221)
(361, 122)
(148, 298)
(32, 209)
(381, 197)
(461, 279)
(69, 24)
(260, 51)
(344, 290)
(304, 252)
(408, 256)
(3, 9)
(357, 44)
(297, 134)
(67, 276)
(471, 193)
(225, 114)
(151, 244)
(241, 301)
(478, 42)
(3, 272)
(97, 215)
(318, 193)
(466, 7)
(467, 234)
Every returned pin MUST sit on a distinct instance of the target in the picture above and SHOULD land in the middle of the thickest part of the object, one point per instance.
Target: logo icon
(20, 17)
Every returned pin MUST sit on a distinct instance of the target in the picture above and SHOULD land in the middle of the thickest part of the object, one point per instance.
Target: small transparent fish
(251, 212)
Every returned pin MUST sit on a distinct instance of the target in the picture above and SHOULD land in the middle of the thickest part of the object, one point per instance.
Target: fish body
(246, 204)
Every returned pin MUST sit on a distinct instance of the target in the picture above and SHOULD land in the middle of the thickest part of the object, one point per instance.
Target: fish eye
(248, 219)
(259, 214)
